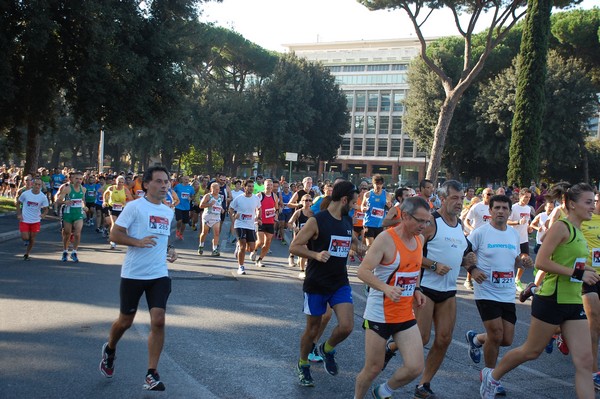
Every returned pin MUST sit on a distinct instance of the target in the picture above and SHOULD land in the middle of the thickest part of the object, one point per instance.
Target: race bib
(301, 225)
(596, 257)
(269, 213)
(216, 209)
(339, 246)
(91, 193)
(245, 216)
(139, 193)
(185, 196)
(579, 264)
(76, 203)
(159, 225)
(359, 215)
(503, 279)
(117, 207)
(378, 213)
(486, 218)
(407, 281)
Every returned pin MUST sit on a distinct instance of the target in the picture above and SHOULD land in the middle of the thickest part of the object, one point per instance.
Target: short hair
(399, 192)
(500, 198)
(523, 191)
(444, 190)
(237, 181)
(377, 178)
(149, 174)
(424, 182)
(247, 182)
(75, 172)
(411, 204)
(343, 189)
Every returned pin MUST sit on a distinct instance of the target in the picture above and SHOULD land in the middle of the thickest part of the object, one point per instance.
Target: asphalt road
(228, 336)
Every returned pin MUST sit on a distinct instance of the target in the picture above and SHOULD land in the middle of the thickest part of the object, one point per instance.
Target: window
(396, 125)
(373, 101)
(395, 148)
(378, 68)
(399, 67)
(371, 122)
(370, 148)
(399, 100)
(354, 68)
(407, 151)
(345, 149)
(349, 100)
(335, 68)
(360, 101)
(357, 148)
(384, 124)
(382, 145)
(359, 124)
(385, 101)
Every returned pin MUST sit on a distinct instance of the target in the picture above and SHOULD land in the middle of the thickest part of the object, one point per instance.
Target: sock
(384, 390)
(303, 362)
(533, 290)
(109, 351)
(74, 251)
(476, 342)
(201, 245)
(328, 348)
(151, 371)
(214, 247)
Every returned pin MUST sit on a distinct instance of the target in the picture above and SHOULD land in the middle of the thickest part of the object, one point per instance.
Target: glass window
(407, 151)
(360, 101)
(385, 101)
(421, 152)
(335, 68)
(371, 123)
(395, 148)
(382, 145)
(396, 125)
(349, 100)
(384, 124)
(345, 149)
(399, 100)
(377, 68)
(399, 67)
(373, 100)
(357, 148)
(370, 148)
(354, 68)
(359, 124)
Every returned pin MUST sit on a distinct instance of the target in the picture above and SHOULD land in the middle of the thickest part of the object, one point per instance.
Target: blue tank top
(376, 211)
(286, 198)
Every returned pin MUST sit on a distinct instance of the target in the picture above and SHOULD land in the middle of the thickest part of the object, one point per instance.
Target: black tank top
(335, 236)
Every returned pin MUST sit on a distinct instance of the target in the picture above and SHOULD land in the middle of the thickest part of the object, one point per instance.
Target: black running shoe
(304, 377)
(328, 360)
(153, 382)
(107, 364)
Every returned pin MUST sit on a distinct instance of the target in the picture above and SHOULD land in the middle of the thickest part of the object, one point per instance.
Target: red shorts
(29, 227)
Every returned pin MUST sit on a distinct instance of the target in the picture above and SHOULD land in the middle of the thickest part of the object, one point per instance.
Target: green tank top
(76, 208)
(561, 287)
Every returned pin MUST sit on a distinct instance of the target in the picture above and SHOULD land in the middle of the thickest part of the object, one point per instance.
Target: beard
(346, 210)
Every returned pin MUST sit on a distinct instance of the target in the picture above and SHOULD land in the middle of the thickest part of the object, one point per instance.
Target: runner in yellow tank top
(115, 198)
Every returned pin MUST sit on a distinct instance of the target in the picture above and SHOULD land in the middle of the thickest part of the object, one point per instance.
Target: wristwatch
(433, 266)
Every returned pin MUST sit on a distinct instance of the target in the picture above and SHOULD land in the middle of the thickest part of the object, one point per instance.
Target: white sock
(384, 390)
(476, 342)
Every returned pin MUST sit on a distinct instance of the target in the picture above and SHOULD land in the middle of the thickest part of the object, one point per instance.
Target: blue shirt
(376, 212)
(185, 194)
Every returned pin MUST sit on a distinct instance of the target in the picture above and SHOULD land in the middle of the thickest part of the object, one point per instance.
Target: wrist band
(471, 268)
(578, 274)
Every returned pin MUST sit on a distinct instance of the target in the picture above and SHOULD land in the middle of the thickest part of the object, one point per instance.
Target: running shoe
(107, 364)
(468, 284)
(291, 262)
(216, 252)
(113, 245)
(153, 382)
(474, 351)
(25, 257)
(527, 292)
(500, 391)
(65, 256)
(424, 392)
(302, 275)
(351, 258)
(597, 381)
(389, 354)
(74, 257)
(561, 344)
(283, 241)
(25, 243)
(487, 390)
(360, 258)
(550, 345)
(376, 395)
(200, 250)
(313, 356)
(98, 230)
(259, 263)
(328, 360)
(519, 285)
(241, 270)
(253, 256)
(304, 377)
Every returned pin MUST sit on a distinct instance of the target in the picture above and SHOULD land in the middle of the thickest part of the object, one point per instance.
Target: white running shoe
(302, 275)
(259, 263)
(241, 270)
(291, 262)
(253, 256)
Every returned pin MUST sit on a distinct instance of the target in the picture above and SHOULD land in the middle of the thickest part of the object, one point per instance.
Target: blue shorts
(316, 304)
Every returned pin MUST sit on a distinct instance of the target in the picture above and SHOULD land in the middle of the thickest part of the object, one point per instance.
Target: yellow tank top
(591, 232)
(117, 196)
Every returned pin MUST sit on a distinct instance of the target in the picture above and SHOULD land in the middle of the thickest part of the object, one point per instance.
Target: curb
(11, 235)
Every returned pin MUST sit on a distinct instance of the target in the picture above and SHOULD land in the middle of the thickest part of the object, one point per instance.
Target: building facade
(374, 76)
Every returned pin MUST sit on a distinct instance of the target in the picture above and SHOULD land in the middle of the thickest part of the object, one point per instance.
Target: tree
(505, 14)
(523, 164)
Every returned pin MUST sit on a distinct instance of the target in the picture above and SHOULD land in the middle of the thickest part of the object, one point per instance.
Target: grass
(7, 205)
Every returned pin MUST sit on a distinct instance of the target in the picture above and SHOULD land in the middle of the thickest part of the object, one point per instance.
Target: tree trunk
(439, 136)
(32, 153)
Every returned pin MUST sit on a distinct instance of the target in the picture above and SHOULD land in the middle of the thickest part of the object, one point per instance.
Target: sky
(274, 23)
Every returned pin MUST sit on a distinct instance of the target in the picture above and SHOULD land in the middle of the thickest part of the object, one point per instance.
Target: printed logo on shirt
(31, 203)
(502, 246)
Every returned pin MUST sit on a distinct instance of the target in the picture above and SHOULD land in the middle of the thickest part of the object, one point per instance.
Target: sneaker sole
(102, 361)
(158, 387)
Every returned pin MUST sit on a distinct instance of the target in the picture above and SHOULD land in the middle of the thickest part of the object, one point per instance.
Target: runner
(144, 226)
(297, 222)
(391, 268)
(115, 199)
(70, 198)
(90, 199)
(519, 219)
(31, 209)
(212, 203)
(285, 214)
(266, 229)
(558, 302)
(393, 216)
(185, 193)
(243, 211)
(478, 216)
(374, 206)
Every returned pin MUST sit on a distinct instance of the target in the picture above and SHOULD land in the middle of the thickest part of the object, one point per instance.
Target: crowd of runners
(411, 244)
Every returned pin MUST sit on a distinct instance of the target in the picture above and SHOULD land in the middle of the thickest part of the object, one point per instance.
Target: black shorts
(223, 215)
(266, 228)
(182, 215)
(358, 229)
(386, 330)
(285, 216)
(113, 213)
(248, 235)
(98, 207)
(195, 208)
(105, 211)
(157, 293)
(590, 289)
(438, 296)
(548, 311)
(525, 248)
(490, 310)
(373, 231)
(90, 205)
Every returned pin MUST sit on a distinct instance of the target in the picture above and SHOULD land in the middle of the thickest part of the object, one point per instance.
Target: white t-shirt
(246, 208)
(543, 229)
(518, 212)
(235, 194)
(479, 215)
(142, 218)
(32, 206)
(496, 252)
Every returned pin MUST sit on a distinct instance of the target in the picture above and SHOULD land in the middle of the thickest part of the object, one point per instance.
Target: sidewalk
(9, 225)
